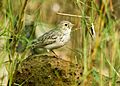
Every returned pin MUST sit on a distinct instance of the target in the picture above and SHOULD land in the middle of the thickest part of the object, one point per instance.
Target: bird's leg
(54, 53)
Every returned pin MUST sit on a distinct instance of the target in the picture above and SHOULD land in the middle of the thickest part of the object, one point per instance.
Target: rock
(46, 70)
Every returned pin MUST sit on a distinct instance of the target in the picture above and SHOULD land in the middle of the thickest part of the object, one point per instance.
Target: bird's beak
(71, 25)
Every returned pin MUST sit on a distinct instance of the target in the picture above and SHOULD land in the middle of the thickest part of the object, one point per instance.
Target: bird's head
(65, 25)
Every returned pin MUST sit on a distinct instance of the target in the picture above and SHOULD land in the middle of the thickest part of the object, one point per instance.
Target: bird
(54, 38)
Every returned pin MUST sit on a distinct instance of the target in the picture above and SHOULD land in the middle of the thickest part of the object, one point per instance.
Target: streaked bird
(54, 38)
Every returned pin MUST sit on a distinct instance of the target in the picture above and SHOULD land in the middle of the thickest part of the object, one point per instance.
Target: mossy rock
(47, 71)
(43, 70)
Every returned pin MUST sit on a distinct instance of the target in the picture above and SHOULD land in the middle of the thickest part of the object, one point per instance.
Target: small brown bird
(54, 38)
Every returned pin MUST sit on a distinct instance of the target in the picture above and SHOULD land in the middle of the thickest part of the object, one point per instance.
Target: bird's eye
(65, 24)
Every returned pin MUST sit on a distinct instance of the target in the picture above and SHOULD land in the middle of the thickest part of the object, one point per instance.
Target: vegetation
(98, 53)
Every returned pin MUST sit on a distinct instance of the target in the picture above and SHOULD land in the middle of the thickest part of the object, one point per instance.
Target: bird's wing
(47, 38)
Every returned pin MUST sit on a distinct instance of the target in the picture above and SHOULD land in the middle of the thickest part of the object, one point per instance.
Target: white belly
(60, 41)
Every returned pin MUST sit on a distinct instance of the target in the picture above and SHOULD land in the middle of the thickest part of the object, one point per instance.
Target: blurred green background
(21, 21)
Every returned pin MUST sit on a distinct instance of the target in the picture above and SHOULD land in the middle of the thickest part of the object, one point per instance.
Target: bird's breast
(61, 39)
(64, 38)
